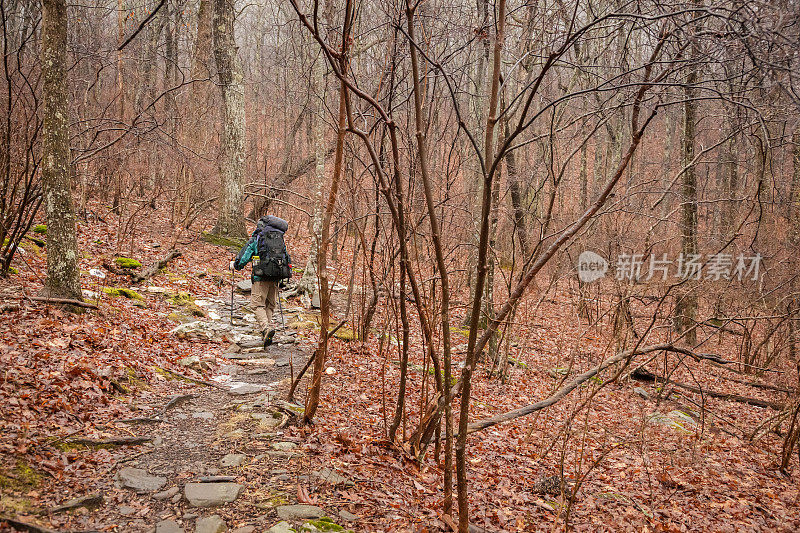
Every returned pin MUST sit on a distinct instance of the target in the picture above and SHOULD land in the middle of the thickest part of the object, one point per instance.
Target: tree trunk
(436, 233)
(794, 241)
(62, 245)
(686, 308)
(480, 278)
(308, 283)
(171, 67)
(324, 294)
(230, 221)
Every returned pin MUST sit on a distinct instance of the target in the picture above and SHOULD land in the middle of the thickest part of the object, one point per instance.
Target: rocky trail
(224, 454)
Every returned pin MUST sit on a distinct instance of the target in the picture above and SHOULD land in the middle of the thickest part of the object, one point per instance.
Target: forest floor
(177, 366)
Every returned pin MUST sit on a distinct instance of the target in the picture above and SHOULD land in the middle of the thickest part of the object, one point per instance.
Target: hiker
(271, 264)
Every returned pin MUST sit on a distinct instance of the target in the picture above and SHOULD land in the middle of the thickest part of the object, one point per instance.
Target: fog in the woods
(399, 266)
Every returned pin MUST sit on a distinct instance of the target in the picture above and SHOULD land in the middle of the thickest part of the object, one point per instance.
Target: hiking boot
(268, 337)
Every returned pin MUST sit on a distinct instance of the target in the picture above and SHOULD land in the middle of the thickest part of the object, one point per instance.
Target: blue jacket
(251, 248)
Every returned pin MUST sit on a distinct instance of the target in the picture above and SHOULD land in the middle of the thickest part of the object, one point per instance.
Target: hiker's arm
(245, 254)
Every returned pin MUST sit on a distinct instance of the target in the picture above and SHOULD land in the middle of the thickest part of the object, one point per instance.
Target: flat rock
(124, 510)
(168, 526)
(267, 420)
(232, 459)
(248, 341)
(211, 524)
(240, 387)
(266, 361)
(326, 475)
(281, 527)
(196, 329)
(284, 339)
(300, 511)
(164, 495)
(139, 480)
(244, 529)
(257, 371)
(240, 355)
(205, 415)
(347, 516)
(245, 285)
(211, 494)
(284, 446)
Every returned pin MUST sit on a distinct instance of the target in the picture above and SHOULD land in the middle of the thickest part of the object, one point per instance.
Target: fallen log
(112, 441)
(64, 301)
(642, 374)
(715, 359)
(153, 269)
(757, 385)
(147, 273)
(90, 501)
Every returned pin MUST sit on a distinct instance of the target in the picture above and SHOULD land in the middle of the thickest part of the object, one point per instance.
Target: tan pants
(263, 298)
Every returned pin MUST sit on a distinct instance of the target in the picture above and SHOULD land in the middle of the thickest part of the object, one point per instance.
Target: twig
(142, 25)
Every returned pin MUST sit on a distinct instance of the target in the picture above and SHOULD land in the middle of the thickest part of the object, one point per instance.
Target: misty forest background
(447, 162)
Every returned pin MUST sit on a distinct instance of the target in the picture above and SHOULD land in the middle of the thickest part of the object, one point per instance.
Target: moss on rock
(41, 229)
(21, 477)
(121, 291)
(186, 300)
(345, 334)
(179, 318)
(323, 524)
(219, 240)
(127, 262)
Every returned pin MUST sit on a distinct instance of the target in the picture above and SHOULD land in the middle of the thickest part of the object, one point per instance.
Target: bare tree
(62, 245)
(230, 220)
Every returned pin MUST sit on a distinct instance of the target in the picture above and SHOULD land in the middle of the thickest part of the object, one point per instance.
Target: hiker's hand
(232, 264)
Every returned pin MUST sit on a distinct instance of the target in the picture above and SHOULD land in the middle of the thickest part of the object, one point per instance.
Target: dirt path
(227, 457)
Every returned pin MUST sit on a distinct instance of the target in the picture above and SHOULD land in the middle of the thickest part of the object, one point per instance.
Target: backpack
(272, 263)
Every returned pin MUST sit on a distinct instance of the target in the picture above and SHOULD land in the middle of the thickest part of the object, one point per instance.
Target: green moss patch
(41, 229)
(220, 240)
(185, 300)
(323, 524)
(134, 379)
(345, 334)
(181, 298)
(179, 318)
(127, 262)
(464, 332)
(125, 293)
(15, 505)
(21, 477)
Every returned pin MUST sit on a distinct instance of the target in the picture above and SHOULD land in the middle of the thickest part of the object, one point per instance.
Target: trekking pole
(233, 282)
(280, 308)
